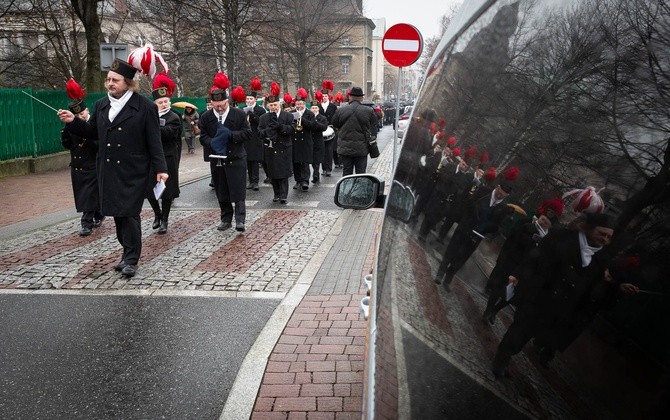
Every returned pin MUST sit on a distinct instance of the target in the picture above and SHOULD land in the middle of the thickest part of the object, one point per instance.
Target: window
(345, 62)
(346, 41)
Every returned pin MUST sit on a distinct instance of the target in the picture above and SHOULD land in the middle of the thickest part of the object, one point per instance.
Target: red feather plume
(339, 97)
(73, 90)
(221, 81)
(456, 152)
(274, 89)
(555, 204)
(442, 123)
(511, 173)
(318, 95)
(451, 142)
(256, 84)
(287, 98)
(301, 94)
(162, 80)
(484, 157)
(238, 95)
(490, 174)
(470, 152)
(328, 85)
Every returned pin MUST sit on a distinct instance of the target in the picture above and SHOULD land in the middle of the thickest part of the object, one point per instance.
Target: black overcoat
(355, 125)
(279, 129)
(128, 148)
(318, 127)
(255, 144)
(229, 178)
(170, 139)
(82, 171)
(303, 146)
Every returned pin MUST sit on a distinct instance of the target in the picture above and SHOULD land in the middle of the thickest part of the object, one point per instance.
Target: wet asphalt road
(123, 357)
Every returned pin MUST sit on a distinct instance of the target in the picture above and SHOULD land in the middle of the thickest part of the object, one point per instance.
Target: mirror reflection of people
(83, 154)
(566, 283)
(125, 126)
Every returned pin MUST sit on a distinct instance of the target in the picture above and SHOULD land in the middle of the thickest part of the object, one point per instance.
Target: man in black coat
(276, 127)
(484, 212)
(566, 283)
(328, 109)
(255, 144)
(125, 126)
(318, 127)
(82, 172)
(303, 146)
(229, 175)
(356, 126)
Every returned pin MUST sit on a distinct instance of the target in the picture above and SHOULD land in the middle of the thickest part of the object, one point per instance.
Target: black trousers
(328, 156)
(301, 173)
(462, 244)
(129, 235)
(227, 211)
(359, 163)
(253, 171)
(89, 217)
(280, 187)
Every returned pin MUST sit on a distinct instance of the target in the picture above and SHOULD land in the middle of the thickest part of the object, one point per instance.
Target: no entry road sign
(402, 44)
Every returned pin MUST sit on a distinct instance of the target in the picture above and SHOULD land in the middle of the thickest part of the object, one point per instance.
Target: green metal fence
(30, 129)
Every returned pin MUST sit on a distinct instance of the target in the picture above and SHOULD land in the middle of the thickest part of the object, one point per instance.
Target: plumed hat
(339, 98)
(301, 95)
(144, 59)
(77, 94)
(288, 99)
(451, 142)
(274, 93)
(123, 68)
(163, 86)
(470, 154)
(318, 95)
(556, 205)
(509, 175)
(218, 91)
(256, 87)
(327, 86)
(238, 95)
(490, 174)
(585, 200)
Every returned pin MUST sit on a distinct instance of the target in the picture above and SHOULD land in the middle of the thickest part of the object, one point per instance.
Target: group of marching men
(128, 148)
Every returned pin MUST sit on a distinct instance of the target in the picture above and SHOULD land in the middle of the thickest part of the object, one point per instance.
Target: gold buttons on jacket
(120, 129)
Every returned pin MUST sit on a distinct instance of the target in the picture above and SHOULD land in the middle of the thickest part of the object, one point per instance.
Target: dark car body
(574, 95)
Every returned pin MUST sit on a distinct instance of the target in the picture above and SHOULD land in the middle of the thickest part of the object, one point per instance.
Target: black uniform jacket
(82, 171)
(230, 177)
(170, 138)
(303, 145)
(318, 127)
(127, 148)
(279, 130)
(255, 144)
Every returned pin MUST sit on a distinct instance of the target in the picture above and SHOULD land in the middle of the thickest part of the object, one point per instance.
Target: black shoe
(224, 226)
(211, 184)
(250, 186)
(97, 223)
(275, 199)
(254, 187)
(85, 231)
(129, 270)
(315, 180)
(239, 226)
(283, 200)
(120, 266)
(488, 319)
(295, 187)
(157, 222)
(327, 174)
(438, 278)
(305, 186)
(163, 228)
(267, 181)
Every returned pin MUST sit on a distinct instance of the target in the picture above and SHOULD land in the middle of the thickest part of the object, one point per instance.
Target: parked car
(562, 106)
(403, 122)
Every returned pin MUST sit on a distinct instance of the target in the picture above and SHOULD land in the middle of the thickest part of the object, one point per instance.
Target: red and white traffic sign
(402, 45)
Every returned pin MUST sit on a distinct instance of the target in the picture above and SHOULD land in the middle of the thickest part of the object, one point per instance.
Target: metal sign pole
(397, 118)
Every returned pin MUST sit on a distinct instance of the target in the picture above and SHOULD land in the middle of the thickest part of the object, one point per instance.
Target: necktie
(221, 119)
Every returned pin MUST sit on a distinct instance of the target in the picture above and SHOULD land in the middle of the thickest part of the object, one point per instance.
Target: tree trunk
(87, 11)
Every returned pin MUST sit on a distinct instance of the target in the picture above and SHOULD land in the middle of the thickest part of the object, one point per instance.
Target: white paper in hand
(510, 291)
(158, 189)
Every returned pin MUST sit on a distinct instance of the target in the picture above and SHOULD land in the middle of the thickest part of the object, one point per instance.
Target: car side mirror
(360, 192)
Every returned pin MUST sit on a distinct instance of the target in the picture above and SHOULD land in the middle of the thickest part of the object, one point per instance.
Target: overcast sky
(423, 14)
